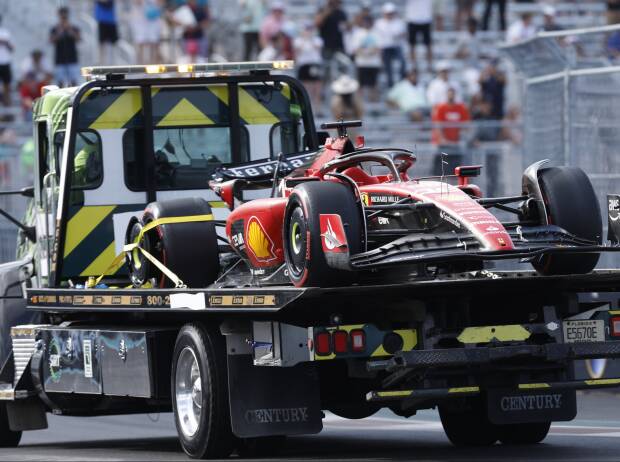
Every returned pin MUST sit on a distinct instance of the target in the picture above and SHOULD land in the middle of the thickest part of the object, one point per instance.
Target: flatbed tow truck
(243, 365)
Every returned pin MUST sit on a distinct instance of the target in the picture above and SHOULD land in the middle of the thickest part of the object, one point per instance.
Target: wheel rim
(296, 251)
(188, 392)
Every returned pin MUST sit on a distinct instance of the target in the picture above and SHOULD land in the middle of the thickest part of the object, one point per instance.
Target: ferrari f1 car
(349, 214)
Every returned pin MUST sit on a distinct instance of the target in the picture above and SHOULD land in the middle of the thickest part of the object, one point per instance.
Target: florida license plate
(584, 331)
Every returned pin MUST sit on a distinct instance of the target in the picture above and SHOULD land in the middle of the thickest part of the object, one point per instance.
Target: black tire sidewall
(571, 204)
(315, 199)
(214, 435)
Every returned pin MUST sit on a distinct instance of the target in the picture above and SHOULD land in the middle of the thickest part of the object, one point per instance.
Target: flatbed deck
(273, 299)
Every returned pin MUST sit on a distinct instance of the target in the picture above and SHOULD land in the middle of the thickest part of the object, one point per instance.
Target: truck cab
(133, 135)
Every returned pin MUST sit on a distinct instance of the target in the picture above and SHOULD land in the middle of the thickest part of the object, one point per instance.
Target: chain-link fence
(571, 110)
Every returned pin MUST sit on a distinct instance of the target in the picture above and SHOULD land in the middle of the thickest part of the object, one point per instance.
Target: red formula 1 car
(349, 215)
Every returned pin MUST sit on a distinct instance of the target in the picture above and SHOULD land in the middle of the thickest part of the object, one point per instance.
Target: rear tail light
(358, 340)
(615, 326)
(341, 340)
(323, 344)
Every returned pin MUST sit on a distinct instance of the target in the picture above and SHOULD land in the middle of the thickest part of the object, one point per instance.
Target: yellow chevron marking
(614, 312)
(533, 386)
(100, 265)
(286, 91)
(410, 340)
(83, 223)
(603, 382)
(121, 111)
(464, 390)
(185, 113)
(221, 91)
(486, 334)
(218, 205)
(253, 112)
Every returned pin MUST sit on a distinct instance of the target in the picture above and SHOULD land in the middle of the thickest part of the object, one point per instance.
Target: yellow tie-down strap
(136, 246)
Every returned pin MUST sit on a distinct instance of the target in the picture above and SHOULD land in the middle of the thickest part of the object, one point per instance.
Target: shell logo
(258, 241)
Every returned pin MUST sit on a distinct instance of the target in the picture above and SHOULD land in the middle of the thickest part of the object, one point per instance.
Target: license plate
(584, 331)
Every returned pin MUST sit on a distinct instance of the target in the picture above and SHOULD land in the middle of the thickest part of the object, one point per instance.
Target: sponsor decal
(365, 199)
(237, 240)
(54, 360)
(449, 219)
(530, 402)
(501, 241)
(491, 229)
(384, 199)
(88, 359)
(333, 236)
(383, 220)
(283, 415)
(614, 207)
(267, 168)
(258, 241)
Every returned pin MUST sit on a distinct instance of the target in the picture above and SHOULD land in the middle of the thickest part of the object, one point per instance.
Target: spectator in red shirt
(451, 113)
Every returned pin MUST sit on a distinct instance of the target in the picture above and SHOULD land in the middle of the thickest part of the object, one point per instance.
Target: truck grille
(23, 338)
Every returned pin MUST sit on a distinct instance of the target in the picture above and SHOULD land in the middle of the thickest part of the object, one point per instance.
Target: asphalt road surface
(594, 436)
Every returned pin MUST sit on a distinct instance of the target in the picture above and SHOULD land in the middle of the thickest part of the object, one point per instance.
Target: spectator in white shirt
(252, 13)
(391, 31)
(437, 91)
(308, 47)
(6, 55)
(522, 29)
(419, 15)
(409, 96)
(367, 56)
(37, 65)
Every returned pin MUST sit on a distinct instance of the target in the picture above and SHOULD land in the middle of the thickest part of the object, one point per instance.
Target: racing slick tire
(303, 249)
(570, 203)
(8, 437)
(200, 393)
(524, 433)
(189, 250)
(468, 426)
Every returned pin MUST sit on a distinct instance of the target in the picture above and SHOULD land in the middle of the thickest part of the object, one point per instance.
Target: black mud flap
(526, 406)
(269, 401)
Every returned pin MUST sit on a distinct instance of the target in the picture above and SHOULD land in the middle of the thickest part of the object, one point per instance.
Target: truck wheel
(571, 203)
(200, 393)
(303, 249)
(189, 250)
(527, 433)
(468, 427)
(8, 437)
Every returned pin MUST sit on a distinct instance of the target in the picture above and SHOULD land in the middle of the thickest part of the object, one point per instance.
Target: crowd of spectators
(389, 48)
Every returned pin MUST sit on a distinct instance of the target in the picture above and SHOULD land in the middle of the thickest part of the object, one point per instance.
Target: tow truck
(243, 362)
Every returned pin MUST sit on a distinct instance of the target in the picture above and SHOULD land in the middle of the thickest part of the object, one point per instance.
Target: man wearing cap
(346, 103)
(549, 24)
(391, 32)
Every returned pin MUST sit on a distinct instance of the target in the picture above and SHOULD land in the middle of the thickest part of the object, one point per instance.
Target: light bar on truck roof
(92, 72)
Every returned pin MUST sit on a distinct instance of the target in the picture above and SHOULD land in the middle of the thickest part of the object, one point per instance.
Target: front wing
(529, 243)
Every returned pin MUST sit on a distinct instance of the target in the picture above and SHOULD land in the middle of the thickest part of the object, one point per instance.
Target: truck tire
(570, 203)
(303, 249)
(526, 433)
(8, 437)
(468, 426)
(189, 250)
(200, 393)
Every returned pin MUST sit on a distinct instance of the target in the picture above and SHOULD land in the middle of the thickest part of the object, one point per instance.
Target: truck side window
(185, 157)
(87, 162)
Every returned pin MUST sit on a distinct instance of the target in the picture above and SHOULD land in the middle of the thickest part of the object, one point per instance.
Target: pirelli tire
(524, 433)
(200, 393)
(570, 203)
(468, 425)
(303, 248)
(8, 437)
(189, 250)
